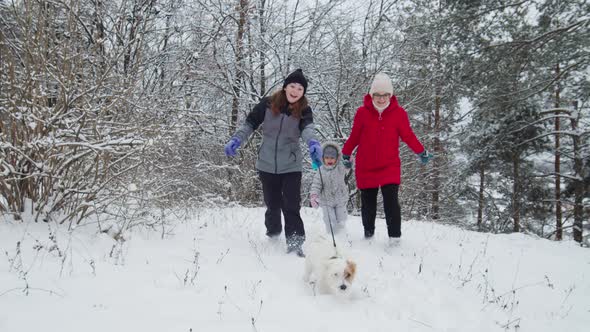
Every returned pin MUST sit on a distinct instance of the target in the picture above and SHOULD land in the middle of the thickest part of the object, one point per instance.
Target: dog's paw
(310, 278)
(312, 286)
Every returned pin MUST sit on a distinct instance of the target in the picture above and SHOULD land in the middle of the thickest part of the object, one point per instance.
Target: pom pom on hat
(296, 77)
(381, 84)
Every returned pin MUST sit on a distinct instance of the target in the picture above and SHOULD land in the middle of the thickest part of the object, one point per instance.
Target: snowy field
(218, 272)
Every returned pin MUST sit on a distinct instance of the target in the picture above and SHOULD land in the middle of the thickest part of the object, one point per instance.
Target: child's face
(329, 161)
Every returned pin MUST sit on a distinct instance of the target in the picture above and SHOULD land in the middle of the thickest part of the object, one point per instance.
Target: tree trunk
(164, 51)
(262, 48)
(99, 35)
(481, 196)
(516, 192)
(242, 10)
(558, 218)
(578, 185)
(291, 36)
(437, 152)
(130, 41)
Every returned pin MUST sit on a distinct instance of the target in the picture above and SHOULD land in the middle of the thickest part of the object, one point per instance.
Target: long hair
(278, 100)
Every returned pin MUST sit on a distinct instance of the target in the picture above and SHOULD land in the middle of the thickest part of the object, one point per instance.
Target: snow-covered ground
(218, 272)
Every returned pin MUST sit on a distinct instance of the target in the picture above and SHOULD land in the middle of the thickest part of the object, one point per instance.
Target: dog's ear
(350, 269)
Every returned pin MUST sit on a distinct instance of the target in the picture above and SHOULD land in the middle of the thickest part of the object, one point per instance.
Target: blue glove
(425, 157)
(346, 161)
(315, 152)
(232, 146)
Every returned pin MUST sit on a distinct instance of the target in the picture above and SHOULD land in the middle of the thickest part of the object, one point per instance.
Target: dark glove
(232, 146)
(346, 161)
(315, 152)
(425, 157)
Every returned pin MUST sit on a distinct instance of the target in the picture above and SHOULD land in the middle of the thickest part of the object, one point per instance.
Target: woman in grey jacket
(329, 190)
(285, 118)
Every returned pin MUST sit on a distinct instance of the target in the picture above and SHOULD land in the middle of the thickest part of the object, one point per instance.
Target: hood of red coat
(368, 103)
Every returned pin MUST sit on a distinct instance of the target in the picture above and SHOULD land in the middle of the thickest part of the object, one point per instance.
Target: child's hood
(334, 145)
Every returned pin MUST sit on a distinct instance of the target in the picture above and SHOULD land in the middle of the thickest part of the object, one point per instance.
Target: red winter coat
(377, 160)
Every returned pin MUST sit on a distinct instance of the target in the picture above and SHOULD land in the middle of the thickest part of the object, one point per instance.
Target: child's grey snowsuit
(328, 183)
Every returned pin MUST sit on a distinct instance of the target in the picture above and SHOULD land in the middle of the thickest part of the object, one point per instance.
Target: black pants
(393, 216)
(283, 192)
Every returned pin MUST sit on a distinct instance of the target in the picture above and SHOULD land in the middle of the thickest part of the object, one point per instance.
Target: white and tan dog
(327, 268)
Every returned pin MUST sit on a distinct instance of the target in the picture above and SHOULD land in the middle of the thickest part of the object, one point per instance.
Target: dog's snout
(343, 287)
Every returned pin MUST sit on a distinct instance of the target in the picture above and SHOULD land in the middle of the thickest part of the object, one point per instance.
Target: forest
(122, 108)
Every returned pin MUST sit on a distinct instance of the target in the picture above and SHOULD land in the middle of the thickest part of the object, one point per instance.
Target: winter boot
(394, 242)
(294, 245)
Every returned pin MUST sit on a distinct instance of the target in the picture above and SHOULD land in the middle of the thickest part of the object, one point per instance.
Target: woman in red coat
(378, 126)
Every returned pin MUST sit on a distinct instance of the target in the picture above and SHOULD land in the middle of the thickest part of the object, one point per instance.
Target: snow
(218, 272)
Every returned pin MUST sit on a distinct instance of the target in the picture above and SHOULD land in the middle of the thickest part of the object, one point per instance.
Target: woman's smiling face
(294, 92)
(381, 100)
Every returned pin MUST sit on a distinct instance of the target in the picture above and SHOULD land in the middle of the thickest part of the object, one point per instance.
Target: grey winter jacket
(328, 183)
(280, 151)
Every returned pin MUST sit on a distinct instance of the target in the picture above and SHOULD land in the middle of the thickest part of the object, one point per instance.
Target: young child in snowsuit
(329, 190)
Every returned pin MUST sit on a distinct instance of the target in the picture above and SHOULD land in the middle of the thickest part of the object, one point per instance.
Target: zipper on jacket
(277, 143)
(379, 130)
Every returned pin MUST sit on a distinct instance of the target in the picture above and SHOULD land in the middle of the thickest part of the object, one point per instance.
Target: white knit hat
(381, 84)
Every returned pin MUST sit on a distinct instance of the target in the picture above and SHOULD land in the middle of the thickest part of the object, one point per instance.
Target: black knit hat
(296, 77)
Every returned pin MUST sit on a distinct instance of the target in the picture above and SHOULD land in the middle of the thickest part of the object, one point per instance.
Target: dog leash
(329, 221)
(332, 231)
